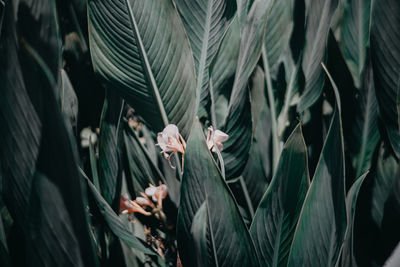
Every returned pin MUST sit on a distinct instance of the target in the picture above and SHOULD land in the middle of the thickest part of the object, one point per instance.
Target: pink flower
(171, 141)
(216, 137)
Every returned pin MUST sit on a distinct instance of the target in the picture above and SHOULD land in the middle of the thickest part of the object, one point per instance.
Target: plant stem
(271, 100)
(246, 196)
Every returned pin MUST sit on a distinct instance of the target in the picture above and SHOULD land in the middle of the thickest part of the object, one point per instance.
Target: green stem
(246, 196)
(271, 100)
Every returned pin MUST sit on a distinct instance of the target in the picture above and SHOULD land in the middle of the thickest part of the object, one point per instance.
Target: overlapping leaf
(385, 54)
(318, 20)
(140, 49)
(348, 257)
(69, 101)
(239, 122)
(365, 133)
(205, 22)
(322, 224)
(202, 181)
(276, 217)
(355, 36)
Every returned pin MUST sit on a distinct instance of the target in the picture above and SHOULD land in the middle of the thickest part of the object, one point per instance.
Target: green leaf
(355, 36)
(384, 179)
(318, 20)
(140, 49)
(238, 121)
(51, 240)
(205, 23)
(110, 169)
(2, 8)
(20, 125)
(385, 55)
(276, 217)
(348, 257)
(322, 224)
(141, 169)
(115, 224)
(278, 32)
(243, 7)
(365, 133)
(202, 181)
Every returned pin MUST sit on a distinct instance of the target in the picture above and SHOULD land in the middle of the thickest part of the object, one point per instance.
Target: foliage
(199, 133)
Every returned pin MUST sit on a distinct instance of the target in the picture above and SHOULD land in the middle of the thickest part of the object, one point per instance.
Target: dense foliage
(199, 133)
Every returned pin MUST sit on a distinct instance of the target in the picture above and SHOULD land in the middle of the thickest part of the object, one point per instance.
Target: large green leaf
(278, 32)
(384, 179)
(239, 122)
(348, 257)
(51, 240)
(110, 169)
(355, 36)
(365, 133)
(318, 20)
(205, 22)
(276, 217)
(20, 125)
(202, 181)
(385, 52)
(140, 49)
(322, 224)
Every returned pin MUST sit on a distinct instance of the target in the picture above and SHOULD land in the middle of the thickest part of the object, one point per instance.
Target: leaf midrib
(147, 66)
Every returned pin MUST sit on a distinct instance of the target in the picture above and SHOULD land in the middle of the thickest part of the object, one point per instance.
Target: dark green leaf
(115, 224)
(318, 20)
(110, 169)
(51, 240)
(278, 31)
(140, 49)
(238, 122)
(202, 181)
(385, 55)
(348, 257)
(322, 224)
(205, 23)
(394, 259)
(365, 134)
(141, 168)
(355, 36)
(276, 217)
(384, 179)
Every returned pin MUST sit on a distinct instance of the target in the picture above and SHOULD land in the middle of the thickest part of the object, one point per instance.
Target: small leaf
(276, 217)
(202, 181)
(348, 257)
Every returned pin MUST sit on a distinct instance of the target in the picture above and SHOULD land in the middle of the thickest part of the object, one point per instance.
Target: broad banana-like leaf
(203, 181)
(322, 225)
(348, 258)
(206, 23)
(384, 179)
(365, 133)
(318, 21)
(278, 32)
(239, 122)
(385, 54)
(51, 240)
(140, 49)
(355, 36)
(276, 217)
(243, 7)
(20, 125)
(110, 169)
